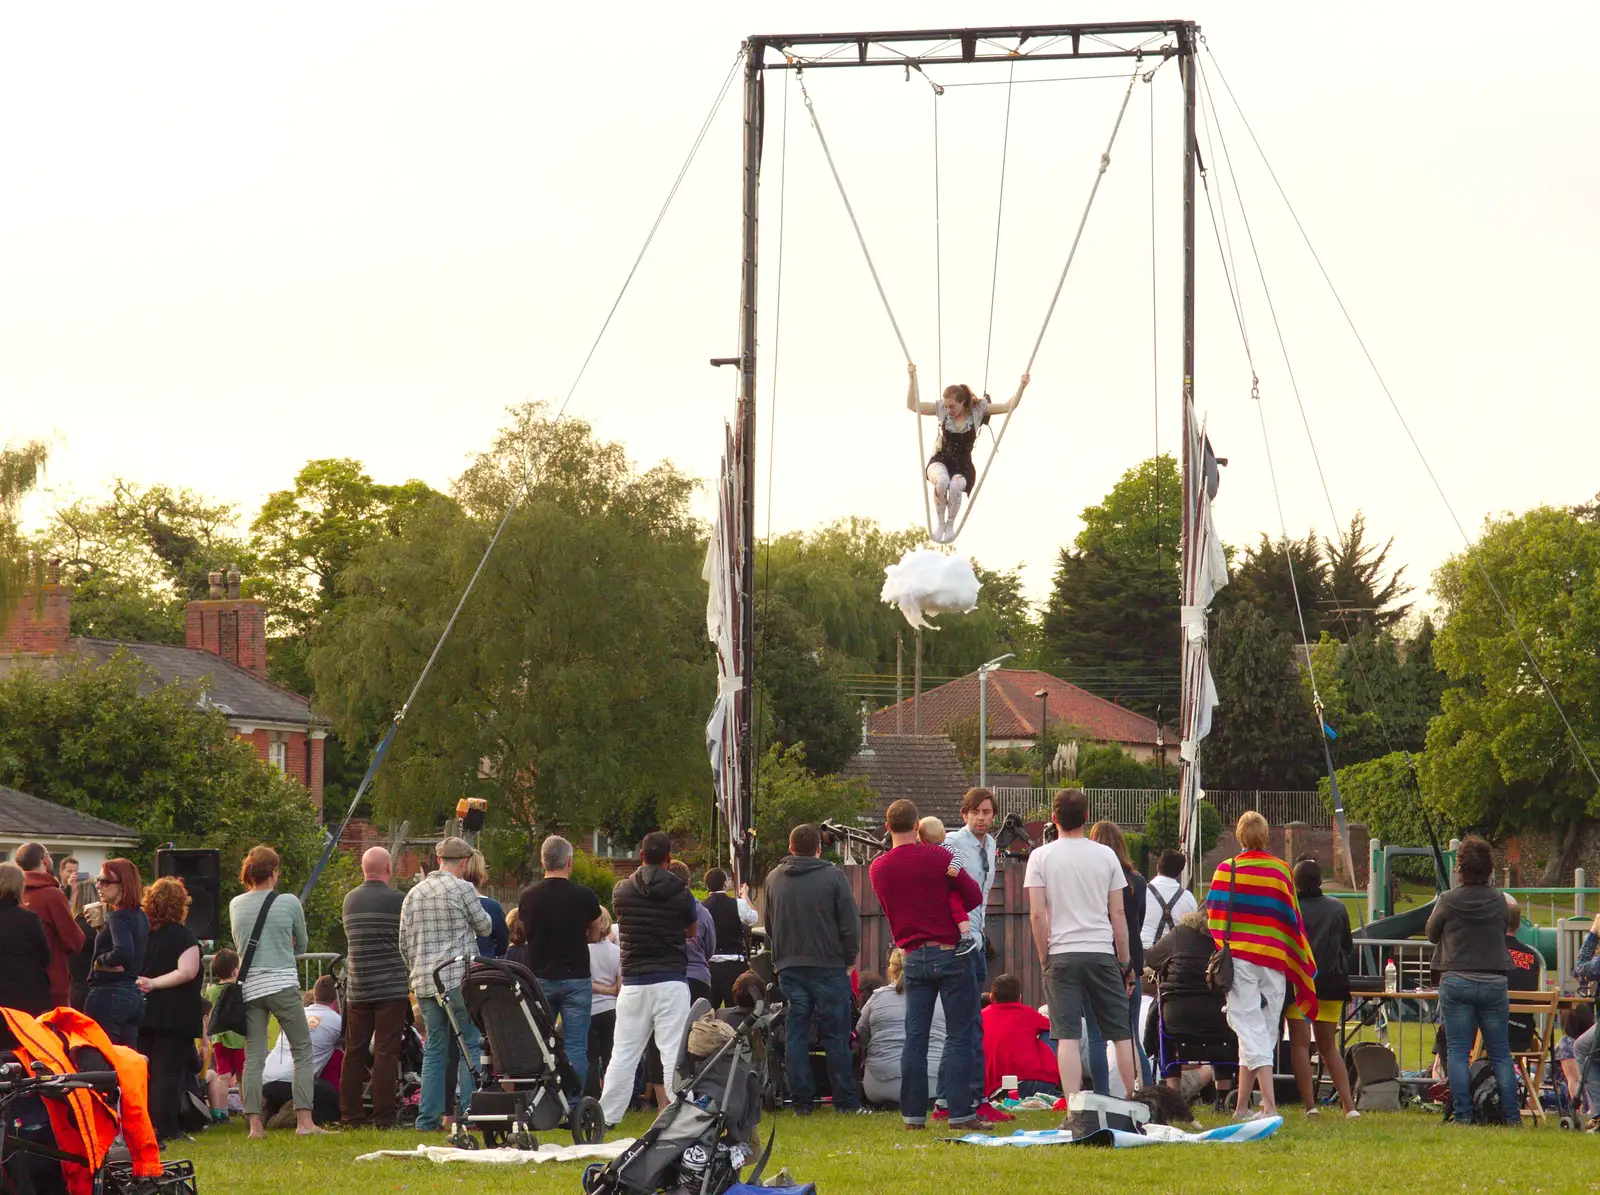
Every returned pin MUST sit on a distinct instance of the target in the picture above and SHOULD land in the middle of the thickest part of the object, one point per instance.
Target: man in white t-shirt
(327, 1032)
(1075, 910)
(1167, 899)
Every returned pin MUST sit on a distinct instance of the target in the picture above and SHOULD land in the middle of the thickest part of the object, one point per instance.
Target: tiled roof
(921, 768)
(239, 694)
(1014, 710)
(22, 816)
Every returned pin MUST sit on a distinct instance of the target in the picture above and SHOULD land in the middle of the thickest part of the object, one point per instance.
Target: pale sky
(239, 237)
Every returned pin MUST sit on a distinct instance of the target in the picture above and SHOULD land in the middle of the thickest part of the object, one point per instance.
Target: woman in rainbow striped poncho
(1271, 957)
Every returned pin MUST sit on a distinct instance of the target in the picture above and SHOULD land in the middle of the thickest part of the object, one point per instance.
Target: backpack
(1375, 1074)
(1484, 1091)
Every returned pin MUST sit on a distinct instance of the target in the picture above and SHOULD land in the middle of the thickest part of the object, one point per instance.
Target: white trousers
(1255, 1001)
(658, 1009)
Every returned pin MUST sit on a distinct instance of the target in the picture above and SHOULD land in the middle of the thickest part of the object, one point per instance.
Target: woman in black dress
(950, 470)
(24, 950)
(172, 1017)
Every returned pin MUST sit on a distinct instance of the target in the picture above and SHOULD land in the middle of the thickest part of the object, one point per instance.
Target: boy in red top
(1012, 1045)
(912, 881)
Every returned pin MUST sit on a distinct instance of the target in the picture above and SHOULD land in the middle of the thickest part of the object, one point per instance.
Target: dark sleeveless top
(724, 911)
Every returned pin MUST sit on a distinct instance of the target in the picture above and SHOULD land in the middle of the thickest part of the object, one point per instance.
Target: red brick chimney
(229, 626)
(41, 621)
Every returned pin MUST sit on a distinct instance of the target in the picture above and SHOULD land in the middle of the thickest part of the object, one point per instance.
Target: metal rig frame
(913, 50)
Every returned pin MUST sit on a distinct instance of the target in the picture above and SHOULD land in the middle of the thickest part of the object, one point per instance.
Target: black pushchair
(523, 1084)
(702, 1140)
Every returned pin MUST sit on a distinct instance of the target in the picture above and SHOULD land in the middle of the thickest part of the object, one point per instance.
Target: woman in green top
(272, 985)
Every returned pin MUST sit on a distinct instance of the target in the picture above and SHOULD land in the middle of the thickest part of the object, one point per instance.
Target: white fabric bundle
(928, 582)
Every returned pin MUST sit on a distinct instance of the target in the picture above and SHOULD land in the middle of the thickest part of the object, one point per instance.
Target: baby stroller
(408, 1097)
(701, 1141)
(521, 1085)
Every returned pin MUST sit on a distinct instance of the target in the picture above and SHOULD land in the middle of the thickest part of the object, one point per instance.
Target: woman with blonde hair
(950, 471)
(1255, 915)
(605, 980)
(882, 1033)
(498, 940)
(172, 1018)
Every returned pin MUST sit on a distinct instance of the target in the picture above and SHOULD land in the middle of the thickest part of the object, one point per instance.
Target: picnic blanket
(1154, 1134)
(506, 1157)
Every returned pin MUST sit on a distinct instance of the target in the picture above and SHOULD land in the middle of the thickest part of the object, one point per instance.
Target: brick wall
(41, 621)
(233, 628)
(295, 757)
(1295, 841)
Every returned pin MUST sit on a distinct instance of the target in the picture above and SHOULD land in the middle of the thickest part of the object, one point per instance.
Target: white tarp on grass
(506, 1157)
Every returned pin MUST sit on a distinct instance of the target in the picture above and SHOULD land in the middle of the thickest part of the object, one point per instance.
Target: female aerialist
(950, 470)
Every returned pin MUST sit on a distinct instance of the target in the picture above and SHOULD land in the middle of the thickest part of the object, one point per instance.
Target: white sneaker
(1313, 1111)
(1353, 1114)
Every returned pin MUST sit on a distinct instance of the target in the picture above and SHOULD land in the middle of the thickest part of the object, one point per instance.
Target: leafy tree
(802, 698)
(1111, 622)
(1499, 757)
(139, 554)
(20, 468)
(1262, 579)
(1161, 826)
(1264, 734)
(1359, 598)
(1110, 766)
(789, 794)
(111, 742)
(575, 688)
(1383, 795)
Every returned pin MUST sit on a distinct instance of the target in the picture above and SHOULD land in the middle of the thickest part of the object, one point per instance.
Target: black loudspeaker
(201, 872)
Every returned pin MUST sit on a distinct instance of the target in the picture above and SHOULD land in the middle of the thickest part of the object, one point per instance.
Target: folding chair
(1533, 1063)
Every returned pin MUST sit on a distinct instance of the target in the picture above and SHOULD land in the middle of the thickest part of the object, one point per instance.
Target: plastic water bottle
(1390, 979)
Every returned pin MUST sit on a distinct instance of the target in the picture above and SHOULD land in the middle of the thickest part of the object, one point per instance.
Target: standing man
(815, 930)
(1169, 900)
(656, 913)
(733, 916)
(556, 915)
(69, 875)
(913, 881)
(1075, 910)
(44, 898)
(441, 921)
(376, 994)
(975, 850)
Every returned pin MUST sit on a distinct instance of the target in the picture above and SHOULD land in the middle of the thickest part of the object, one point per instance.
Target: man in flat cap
(441, 920)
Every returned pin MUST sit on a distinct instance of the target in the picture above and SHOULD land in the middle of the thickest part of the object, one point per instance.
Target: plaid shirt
(441, 919)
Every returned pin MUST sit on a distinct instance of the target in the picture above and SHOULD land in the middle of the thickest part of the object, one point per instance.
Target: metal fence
(1129, 807)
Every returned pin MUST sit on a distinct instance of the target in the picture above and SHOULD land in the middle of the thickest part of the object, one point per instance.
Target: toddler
(931, 831)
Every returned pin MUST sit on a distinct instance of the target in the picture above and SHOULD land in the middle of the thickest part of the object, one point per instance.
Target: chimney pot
(233, 580)
(214, 579)
(52, 572)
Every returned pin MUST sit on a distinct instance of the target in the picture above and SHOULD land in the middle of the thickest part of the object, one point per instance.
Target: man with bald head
(377, 994)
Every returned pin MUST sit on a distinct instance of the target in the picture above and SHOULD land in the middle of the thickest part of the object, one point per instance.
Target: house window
(277, 754)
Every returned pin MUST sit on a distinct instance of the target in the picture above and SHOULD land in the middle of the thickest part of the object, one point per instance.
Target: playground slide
(1409, 924)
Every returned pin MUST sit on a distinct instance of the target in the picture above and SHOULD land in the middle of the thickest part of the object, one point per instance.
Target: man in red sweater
(1012, 1045)
(46, 900)
(912, 881)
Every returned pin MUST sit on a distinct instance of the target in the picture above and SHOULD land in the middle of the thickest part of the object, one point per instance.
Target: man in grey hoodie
(815, 930)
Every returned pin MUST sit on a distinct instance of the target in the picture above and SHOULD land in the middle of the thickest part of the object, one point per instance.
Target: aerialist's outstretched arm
(913, 403)
(1010, 404)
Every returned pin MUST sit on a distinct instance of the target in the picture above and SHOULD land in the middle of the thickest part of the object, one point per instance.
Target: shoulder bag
(1219, 968)
(227, 1014)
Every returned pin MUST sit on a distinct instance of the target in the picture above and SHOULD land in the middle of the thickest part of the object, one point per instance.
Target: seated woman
(882, 1033)
(1190, 1011)
(950, 471)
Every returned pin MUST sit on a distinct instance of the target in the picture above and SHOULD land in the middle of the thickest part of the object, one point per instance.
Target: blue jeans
(117, 1007)
(1469, 1008)
(978, 975)
(823, 993)
(1095, 1044)
(934, 974)
(571, 1000)
(435, 1059)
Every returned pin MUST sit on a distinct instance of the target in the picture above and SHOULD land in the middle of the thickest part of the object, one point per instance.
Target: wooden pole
(916, 688)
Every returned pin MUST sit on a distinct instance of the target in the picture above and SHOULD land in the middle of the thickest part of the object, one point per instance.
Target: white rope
(1105, 163)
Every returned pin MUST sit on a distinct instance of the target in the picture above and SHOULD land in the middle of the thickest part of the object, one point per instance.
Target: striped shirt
(376, 970)
(441, 919)
(273, 967)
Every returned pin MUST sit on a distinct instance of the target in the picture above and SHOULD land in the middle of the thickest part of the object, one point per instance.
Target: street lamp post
(983, 717)
(1044, 737)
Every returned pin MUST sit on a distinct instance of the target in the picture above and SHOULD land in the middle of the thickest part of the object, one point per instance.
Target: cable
(999, 217)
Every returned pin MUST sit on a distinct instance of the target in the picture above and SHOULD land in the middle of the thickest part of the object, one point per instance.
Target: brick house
(225, 648)
(1015, 713)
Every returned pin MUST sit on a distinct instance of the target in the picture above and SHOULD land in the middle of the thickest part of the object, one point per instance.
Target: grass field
(1403, 1151)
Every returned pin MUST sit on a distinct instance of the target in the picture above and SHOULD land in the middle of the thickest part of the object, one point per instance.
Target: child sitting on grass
(931, 831)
